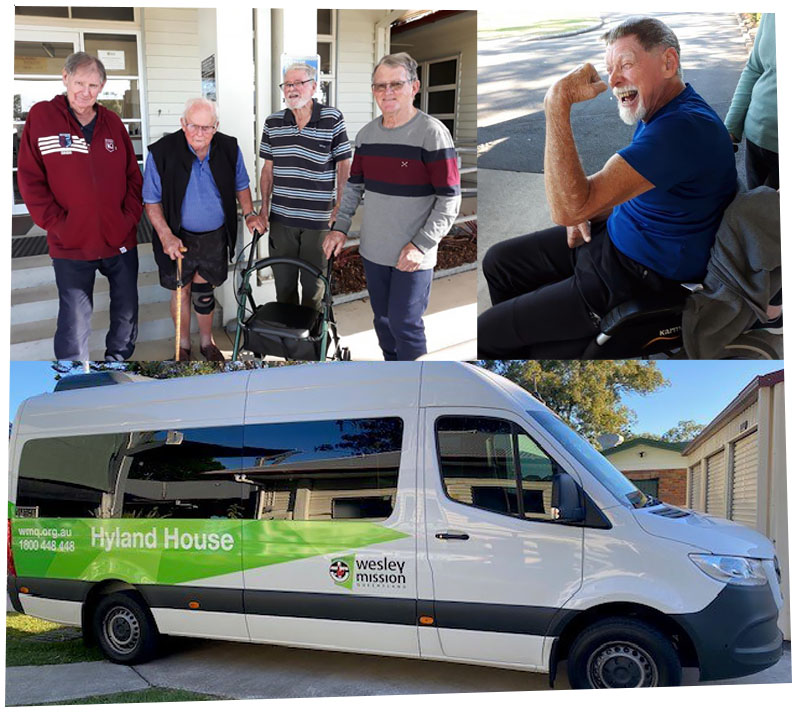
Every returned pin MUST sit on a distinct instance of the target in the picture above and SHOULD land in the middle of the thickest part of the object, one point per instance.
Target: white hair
(311, 73)
(200, 102)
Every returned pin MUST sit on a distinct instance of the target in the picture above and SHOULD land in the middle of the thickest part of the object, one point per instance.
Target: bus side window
(186, 473)
(344, 469)
(492, 464)
(70, 476)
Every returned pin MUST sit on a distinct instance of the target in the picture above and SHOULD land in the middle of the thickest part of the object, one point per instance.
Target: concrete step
(37, 303)
(37, 270)
(34, 340)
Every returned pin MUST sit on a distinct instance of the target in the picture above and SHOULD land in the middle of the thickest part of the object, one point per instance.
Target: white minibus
(431, 510)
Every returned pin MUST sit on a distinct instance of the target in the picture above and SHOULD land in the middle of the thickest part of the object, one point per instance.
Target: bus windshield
(593, 461)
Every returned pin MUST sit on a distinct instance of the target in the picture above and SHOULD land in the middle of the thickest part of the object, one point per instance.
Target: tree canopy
(587, 394)
(686, 430)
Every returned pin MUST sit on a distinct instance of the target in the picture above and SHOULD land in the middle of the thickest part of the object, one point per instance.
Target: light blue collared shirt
(201, 210)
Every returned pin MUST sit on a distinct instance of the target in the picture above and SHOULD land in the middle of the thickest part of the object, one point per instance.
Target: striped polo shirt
(304, 165)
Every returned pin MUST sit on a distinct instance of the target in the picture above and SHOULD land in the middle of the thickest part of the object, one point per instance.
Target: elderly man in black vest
(192, 181)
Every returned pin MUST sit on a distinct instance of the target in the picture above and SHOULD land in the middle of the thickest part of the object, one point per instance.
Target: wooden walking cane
(178, 309)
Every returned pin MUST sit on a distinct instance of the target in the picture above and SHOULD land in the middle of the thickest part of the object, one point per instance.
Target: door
(501, 567)
(716, 491)
(330, 552)
(744, 496)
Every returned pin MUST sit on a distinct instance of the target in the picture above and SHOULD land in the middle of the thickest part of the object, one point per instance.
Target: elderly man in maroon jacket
(79, 178)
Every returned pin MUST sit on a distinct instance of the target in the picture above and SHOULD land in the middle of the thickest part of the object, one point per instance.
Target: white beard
(297, 103)
(629, 116)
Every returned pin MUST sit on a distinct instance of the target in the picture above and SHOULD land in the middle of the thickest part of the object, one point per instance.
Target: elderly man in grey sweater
(405, 167)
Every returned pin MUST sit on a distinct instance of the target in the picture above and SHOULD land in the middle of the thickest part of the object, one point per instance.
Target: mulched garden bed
(459, 248)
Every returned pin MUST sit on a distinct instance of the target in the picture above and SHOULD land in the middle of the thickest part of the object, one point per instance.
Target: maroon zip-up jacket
(88, 197)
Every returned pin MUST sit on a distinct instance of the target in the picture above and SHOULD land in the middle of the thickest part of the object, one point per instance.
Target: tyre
(125, 630)
(620, 652)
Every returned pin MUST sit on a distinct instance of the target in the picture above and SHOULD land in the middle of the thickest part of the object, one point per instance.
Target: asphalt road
(514, 75)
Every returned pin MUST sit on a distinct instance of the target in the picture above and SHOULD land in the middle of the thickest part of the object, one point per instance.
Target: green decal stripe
(171, 551)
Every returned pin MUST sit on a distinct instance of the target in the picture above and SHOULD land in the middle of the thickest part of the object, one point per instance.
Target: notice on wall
(208, 75)
(112, 59)
(311, 60)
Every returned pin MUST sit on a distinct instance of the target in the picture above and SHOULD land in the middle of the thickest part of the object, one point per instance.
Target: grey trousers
(303, 243)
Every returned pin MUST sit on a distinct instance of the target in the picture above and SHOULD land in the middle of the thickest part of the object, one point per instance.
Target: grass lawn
(30, 640)
(142, 696)
(536, 30)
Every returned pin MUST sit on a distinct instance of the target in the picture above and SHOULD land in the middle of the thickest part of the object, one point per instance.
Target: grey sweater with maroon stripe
(409, 178)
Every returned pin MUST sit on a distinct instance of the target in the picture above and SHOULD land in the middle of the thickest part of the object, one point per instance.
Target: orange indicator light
(425, 620)
(194, 605)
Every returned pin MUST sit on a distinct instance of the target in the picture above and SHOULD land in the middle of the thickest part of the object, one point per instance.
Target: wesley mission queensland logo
(355, 572)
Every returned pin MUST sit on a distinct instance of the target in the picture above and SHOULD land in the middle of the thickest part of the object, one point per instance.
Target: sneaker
(774, 327)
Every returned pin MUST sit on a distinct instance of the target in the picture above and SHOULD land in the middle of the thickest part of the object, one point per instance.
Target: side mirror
(567, 499)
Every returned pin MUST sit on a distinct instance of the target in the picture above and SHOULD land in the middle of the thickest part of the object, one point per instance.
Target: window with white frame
(326, 49)
(39, 55)
(438, 94)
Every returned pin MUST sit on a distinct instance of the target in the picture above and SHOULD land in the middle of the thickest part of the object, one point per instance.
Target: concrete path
(58, 682)
(245, 671)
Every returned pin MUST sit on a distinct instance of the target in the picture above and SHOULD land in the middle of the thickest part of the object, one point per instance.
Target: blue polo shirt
(686, 153)
(201, 210)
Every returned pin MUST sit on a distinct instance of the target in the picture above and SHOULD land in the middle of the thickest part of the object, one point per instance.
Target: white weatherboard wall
(172, 65)
(452, 35)
(355, 52)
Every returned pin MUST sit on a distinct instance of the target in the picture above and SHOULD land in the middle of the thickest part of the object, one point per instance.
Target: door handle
(452, 536)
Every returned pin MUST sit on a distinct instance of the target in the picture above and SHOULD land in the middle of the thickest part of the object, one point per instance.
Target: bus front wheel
(621, 652)
(125, 629)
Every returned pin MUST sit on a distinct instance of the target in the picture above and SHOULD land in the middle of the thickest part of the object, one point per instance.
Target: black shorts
(207, 255)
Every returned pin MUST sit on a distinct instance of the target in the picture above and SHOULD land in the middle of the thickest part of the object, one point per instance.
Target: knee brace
(203, 298)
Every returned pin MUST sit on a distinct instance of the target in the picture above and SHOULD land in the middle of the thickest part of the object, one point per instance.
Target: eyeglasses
(201, 128)
(383, 86)
(291, 85)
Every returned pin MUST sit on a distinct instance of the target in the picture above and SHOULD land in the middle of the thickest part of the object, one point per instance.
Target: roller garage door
(694, 486)
(745, 480)
(715, 485)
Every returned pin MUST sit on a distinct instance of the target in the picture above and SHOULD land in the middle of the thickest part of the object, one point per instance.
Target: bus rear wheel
(619, 653)
(125, 629)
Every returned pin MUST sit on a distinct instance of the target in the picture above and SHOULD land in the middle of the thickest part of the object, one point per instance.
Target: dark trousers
(75, 282)
(303, 243)
(761, 167)
(398, 300)
(547, 299)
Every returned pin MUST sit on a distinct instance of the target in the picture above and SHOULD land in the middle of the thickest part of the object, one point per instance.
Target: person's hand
(333, 243)
(579, 85)
(734, 139)
(578, 235)
(410, 258)
(172, 245)
(257, 223)
(334, 213)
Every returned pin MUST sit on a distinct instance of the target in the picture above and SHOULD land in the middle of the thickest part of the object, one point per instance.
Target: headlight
(731, 569)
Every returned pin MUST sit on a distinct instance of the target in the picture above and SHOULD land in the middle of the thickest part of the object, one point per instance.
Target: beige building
(656, 467)
(737, 468)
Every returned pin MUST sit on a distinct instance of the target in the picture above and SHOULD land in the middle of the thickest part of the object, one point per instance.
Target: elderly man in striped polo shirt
(405, 167)
(306, 156)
